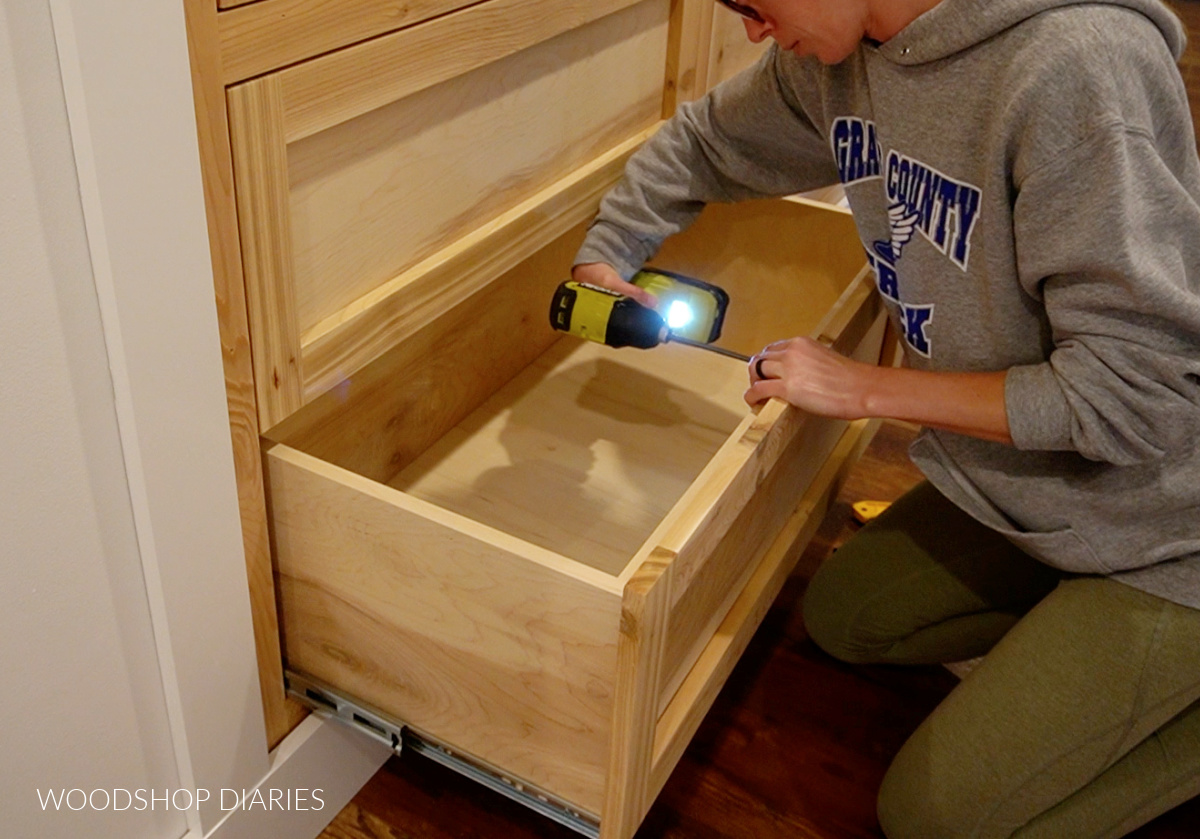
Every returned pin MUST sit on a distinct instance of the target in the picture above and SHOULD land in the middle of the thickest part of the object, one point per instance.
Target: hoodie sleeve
(1108, 238)
(748, 138)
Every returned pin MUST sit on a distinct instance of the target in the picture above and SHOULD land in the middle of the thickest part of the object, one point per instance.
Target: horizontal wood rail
(261, 36)
(337, 87)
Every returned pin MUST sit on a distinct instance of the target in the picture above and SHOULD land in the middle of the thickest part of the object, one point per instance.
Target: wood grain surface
(268, 34)
(483, 641)
(260, 163)
(1189, 66)
(608, 439)
(795, 746)
(280, 714)
(730, 50)
(340, 86)
(375, 195)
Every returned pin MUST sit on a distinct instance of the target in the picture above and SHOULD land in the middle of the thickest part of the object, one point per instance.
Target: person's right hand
(604, 275)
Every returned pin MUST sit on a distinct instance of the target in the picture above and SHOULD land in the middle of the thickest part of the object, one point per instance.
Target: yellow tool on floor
(864, 511)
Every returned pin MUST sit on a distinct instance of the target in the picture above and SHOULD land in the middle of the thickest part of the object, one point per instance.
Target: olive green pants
(1082, 721)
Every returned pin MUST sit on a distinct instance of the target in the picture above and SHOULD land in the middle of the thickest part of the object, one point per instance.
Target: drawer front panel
(493, 646)
(405, 173)
(373, 196)
(268, 34)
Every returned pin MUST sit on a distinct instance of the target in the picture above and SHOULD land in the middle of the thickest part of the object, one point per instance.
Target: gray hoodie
(1023, 175)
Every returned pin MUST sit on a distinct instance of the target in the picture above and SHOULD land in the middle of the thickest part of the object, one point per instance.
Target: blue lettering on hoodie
(920, 199)
(856, 149)
(946, 210)
(914, 319)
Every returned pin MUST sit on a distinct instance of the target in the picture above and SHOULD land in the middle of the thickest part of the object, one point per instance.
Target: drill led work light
(694, 313)
(692, 309)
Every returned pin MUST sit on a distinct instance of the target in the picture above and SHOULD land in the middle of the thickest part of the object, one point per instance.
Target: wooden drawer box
(548, 553)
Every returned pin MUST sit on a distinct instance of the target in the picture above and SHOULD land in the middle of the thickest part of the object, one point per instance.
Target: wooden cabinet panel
(258, 36)
(731, 51)
(375, 195)
(363, 186)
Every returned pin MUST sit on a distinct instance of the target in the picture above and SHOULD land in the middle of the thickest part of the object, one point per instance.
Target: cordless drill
(695, 312)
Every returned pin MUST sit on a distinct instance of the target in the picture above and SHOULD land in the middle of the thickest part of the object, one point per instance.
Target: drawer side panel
(455, 632)
(711, 574)
(721, 578)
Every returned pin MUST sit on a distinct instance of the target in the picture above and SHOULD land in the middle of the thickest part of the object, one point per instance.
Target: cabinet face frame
(215, 54)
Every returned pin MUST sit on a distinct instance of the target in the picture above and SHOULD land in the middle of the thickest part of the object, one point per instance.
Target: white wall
(126, 651)
(81, 689)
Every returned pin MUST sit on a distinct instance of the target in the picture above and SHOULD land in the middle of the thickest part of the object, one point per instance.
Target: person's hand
(810, 376)
(604, 275)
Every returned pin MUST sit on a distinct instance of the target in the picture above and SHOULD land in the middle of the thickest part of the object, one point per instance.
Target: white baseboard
(325, 760)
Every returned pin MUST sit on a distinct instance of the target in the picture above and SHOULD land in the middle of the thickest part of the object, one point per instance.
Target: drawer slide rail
(329, 703)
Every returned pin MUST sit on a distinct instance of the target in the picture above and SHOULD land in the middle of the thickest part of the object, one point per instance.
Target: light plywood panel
(513, 242)
(730, 50)
(587, 449)
(468, 634)
(375, 195)
(378, 420)
(333, 89)
(783, 263)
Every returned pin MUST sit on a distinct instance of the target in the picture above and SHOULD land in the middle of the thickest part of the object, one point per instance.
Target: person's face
(828, 29)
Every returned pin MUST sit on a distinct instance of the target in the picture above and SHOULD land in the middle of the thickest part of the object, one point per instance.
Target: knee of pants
(830, 609)
(914, 803)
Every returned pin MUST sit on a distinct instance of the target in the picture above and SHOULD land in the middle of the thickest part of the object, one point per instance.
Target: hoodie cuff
(608, 243)
(1039, 417)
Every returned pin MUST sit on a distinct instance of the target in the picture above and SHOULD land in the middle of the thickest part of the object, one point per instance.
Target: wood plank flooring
(795, 746)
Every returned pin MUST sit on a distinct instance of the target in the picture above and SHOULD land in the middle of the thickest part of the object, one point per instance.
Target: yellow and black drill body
(606, 317)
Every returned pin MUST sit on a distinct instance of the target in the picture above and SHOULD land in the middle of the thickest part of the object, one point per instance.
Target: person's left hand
(810, 376)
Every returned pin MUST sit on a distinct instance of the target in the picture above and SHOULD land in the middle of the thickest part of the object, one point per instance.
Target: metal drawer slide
(330, 703)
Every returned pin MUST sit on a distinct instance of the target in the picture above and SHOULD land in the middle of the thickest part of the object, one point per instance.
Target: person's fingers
(639, 294)
(605, 276)
(763, 390)
(760, 371)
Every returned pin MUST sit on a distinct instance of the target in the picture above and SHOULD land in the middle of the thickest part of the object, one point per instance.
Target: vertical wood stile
(644, 611)
(280, 714)
(687, 53)
(264, 218)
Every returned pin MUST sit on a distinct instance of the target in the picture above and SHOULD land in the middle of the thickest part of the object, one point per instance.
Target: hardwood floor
(795, 746)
